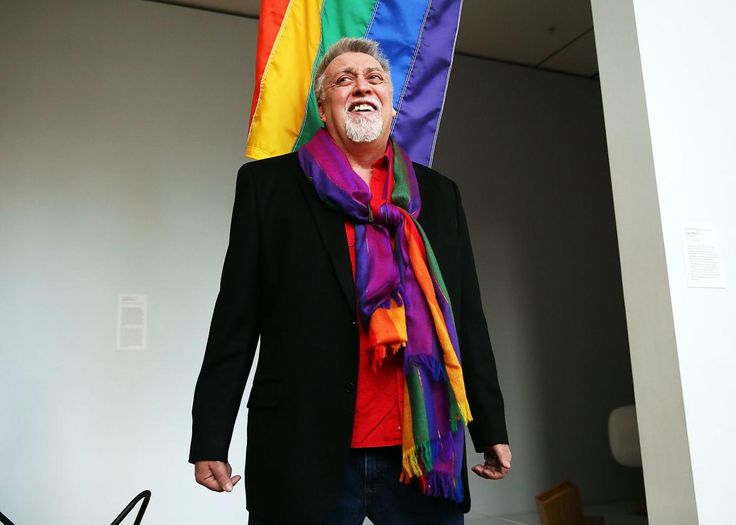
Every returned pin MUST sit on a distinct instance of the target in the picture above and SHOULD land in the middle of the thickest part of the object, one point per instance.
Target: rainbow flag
(417, 36)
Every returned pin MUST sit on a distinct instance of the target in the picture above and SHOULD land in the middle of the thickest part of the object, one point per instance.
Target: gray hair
(347, 45)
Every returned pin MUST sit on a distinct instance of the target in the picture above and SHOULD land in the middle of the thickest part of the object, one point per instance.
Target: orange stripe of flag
(269, 22)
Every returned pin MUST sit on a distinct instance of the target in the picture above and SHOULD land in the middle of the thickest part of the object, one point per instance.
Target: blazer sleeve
(479, 366)
(233, 334)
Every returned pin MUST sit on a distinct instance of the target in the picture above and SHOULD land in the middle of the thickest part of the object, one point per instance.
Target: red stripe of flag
(269, 23)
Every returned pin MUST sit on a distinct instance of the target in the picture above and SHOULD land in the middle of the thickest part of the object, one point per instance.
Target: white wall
(670, 112)
(121, 126)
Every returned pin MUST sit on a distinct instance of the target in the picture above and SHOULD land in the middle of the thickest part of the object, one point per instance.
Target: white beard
(364, 127)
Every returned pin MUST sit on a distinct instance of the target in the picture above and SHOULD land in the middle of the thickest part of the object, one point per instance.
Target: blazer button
(350, 388)
(354, 323)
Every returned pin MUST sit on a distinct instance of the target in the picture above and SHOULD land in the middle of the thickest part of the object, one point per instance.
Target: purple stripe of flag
(418, 117)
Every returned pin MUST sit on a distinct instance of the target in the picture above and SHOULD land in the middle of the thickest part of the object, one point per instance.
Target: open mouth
(362, 107)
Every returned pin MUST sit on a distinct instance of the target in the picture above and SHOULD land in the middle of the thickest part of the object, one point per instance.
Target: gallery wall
(669, 109)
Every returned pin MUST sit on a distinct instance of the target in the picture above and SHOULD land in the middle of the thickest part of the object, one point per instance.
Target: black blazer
(287, 278)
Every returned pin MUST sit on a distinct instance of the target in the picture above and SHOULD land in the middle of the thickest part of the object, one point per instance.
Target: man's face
(356, 101)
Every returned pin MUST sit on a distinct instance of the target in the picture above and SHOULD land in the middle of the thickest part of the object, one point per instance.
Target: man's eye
(343, 81)
(375, 78)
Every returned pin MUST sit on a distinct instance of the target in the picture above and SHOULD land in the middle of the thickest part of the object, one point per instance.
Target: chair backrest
(146, 497)
(560, 505)
(4, 520)
(623, 436)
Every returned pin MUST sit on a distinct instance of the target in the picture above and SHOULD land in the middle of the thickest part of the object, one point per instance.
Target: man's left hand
(497, 462)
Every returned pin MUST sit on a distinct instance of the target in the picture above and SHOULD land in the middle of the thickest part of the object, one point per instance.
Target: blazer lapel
(331, 228)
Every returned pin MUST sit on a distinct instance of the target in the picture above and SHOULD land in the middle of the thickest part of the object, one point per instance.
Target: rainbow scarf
(403, 301)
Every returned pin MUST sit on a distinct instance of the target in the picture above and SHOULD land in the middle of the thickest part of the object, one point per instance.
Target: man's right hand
(215, 475)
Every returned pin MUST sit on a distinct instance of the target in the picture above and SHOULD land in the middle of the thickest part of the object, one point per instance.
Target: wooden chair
(561, 505)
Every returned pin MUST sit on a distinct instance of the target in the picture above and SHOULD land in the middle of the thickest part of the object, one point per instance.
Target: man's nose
(361, 85)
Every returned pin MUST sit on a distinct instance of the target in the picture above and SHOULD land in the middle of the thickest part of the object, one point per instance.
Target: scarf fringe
(442, 485)
(432, 483)
(418, 460)
(436, 368)
(431, 364)
(382, 350)
(411, 468)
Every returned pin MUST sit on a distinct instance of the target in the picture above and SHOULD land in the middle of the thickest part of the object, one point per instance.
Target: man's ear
(393, 112)
(321, 110)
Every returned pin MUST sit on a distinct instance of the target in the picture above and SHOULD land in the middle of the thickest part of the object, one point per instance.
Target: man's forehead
(354, 61)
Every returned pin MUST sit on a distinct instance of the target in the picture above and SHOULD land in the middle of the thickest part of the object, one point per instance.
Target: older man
(353, 265)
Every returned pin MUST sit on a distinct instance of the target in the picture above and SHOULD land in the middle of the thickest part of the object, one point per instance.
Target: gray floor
(614, 514)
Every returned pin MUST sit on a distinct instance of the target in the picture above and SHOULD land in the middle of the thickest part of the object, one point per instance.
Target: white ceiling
(548, 34)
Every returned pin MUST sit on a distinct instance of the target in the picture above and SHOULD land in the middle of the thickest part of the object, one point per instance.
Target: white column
(669, 88)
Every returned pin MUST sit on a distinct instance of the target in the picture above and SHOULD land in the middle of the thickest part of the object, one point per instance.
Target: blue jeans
(372, 489)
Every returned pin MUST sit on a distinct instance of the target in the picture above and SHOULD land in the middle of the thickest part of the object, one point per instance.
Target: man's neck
(363, 155)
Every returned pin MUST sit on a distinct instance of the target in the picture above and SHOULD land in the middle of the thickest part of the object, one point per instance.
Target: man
(341, 258)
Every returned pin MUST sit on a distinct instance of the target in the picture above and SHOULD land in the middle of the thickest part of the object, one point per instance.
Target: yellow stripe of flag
(286, 81)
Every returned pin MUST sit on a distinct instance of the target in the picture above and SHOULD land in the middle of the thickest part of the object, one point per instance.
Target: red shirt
(380, 393)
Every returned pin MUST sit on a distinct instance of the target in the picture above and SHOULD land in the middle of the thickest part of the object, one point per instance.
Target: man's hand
(497, 462)
(215, 475)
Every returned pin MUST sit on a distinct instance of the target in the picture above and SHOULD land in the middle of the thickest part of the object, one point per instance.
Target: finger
(492, 473)
(213, 484)
(499, 472)
(484, 472)
(233, 479)
(210, 483)
(488, 472)
(207, 479)
(498, 462)
(221, 473)
(504, 460)
(224, 480)
(502, 454)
